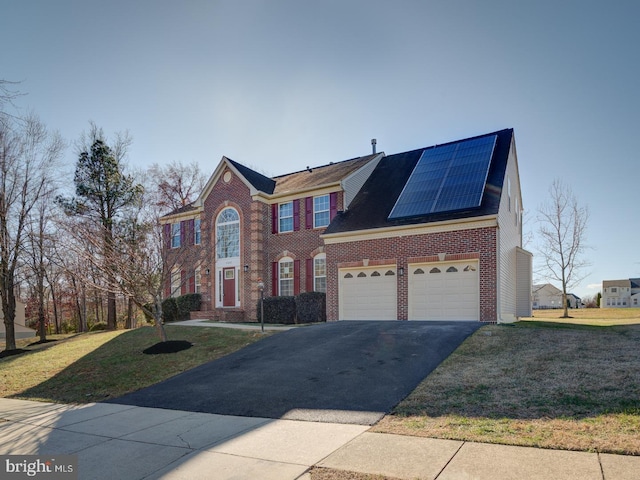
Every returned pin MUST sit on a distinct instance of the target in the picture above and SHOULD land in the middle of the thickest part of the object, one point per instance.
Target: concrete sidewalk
(121, 441)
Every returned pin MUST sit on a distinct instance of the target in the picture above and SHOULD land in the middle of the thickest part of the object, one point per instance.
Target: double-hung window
(175, 235)
(196, 231)
(285, 217)
(320, 273)
(321, 212)
(285, 277)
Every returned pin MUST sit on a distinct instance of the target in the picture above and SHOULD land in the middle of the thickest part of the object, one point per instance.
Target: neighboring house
(574, 301)
(430, 234)
(21, 330)
(620, 293)
(546, 296)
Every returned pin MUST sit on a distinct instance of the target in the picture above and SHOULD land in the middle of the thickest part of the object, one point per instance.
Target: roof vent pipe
(373, 145)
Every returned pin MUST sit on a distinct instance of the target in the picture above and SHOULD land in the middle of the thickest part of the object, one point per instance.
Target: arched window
(228, 234)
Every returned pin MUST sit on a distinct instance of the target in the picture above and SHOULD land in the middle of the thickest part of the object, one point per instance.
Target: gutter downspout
(498, 276)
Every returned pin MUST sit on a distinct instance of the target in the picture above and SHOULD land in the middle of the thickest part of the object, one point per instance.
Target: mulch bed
(170, 346)
(9, 353)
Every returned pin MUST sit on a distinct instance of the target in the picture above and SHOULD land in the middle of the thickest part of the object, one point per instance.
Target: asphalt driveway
(343, 372)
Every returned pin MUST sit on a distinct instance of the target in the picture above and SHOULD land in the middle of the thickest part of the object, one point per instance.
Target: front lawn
(546, 382)
(97, 366)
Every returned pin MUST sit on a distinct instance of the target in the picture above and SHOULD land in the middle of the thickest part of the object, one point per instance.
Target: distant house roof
(548, 286)
(372, 205)
(317, 176)
(616, 283)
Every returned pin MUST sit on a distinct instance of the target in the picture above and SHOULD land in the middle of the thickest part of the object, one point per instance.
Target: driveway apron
(341, 372)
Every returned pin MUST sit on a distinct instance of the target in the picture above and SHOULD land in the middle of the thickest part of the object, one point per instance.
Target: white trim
(407, 230)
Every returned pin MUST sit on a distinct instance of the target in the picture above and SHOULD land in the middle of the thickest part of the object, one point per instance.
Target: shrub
(98, 326)
(279, 310)
(311, 307)
(169, 310)
(188, 303)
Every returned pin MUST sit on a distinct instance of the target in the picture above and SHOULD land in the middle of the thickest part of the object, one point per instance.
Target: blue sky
(279, 85)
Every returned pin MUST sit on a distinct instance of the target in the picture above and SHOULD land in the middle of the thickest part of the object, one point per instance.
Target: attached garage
(368, 293)
(444, 291)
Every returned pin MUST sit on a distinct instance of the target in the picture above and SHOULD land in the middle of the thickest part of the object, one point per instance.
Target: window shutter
(167, 236)
(308, 212)
(191, 232)
(274, 218)
(309, 275)
(296, 215)
(183, 233)
(274, 279)
(296, 277)
(183, 282)
(192, 282)
(333, 205)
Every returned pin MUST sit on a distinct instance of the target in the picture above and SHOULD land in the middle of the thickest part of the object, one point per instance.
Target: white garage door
(368, 293)
(444, 291)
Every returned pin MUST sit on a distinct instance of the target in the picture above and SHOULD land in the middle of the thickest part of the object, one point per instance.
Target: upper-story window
(196, 231)
(321, 215)
(614, 290)
(228, 234)
(175, 235)
(285, 217)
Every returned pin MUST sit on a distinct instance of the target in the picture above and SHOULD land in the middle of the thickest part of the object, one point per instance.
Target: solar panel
(447, 177)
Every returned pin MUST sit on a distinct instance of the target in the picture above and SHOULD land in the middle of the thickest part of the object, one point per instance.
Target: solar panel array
(448, 177)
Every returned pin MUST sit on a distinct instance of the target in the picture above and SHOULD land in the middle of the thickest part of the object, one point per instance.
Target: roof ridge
(330, 164)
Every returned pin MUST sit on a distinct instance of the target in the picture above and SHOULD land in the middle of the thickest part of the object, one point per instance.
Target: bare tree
(27, 153)
(38, 248)
(176, 185)
(7, 96)
(562, 229)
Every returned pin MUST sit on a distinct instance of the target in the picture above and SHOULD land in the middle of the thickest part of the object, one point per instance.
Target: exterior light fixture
(246, 268)
(401, 271)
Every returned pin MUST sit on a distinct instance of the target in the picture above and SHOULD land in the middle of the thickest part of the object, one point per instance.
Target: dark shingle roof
(372, 205)
(259, 181)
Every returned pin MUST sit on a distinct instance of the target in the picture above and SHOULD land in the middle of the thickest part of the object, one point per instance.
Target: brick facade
(365, 236)
(477, 243)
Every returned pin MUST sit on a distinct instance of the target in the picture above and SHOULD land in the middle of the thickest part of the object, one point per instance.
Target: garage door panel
(444, 291)
(369, 293)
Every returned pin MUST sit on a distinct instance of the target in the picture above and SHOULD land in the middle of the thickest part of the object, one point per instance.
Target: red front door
(229, 287)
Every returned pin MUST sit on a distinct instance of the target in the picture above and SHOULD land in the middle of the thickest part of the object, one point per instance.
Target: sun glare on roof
(447, 177)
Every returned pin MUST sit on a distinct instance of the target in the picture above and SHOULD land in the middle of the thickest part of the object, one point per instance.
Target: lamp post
(261, 288)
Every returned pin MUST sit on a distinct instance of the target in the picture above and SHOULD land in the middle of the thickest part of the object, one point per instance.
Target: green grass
(96, 366)
(570, 384)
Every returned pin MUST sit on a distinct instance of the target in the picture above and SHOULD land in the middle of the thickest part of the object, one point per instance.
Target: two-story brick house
(431, 234)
